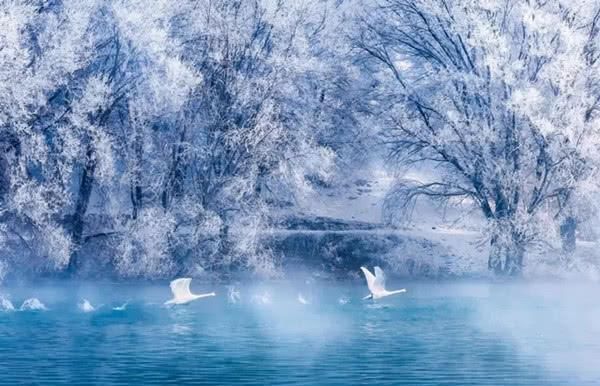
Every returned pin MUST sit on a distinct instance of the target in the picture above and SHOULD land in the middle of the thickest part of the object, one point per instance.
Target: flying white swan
(182, 294)
(6, 305)
(33, 304)
(122, 307)
(86, 306)
(302, 300)
(376, 284)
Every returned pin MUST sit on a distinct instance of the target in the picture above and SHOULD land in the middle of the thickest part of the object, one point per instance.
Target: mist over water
(454, 333)
(273, 151)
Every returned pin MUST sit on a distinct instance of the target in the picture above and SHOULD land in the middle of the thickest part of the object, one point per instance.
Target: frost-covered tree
(166, 133)
(136, 75)
(185, 108)
(500, 98)
(223, 160)
(42, 47)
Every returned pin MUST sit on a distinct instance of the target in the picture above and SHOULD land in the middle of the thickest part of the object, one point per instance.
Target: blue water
(436, 334)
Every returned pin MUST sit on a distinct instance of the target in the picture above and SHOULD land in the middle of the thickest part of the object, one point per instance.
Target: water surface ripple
(436, 334)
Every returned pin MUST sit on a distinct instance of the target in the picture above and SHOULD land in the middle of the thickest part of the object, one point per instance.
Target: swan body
(86, 306)
(376, 284)
(6, 305)
(122, 307)
(182, 294)
(33, 304)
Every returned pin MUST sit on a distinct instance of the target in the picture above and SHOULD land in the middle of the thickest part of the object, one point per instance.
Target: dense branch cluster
(159, 133)
(501, 98)
(161, 136)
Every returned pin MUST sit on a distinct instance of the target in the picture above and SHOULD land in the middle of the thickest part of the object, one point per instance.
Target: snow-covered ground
(454, 233)
(363, 196)
(359, 199)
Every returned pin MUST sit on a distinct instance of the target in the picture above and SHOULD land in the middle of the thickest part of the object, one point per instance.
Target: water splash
(33, 304)
(6, 305)
(343, 300)
(378, 306)
(233, 294)
(264, 298)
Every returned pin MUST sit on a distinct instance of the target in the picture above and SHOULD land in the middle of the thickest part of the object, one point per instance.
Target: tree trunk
(175, 179)
(136, 183)
(506, 254)
(10, 149)
(568, 230)
(224, 242)
(4, 178)
(83, 199)
(136, 199)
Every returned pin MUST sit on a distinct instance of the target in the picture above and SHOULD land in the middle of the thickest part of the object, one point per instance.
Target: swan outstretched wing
(375, 283)
(372, 282)
(302, 300)
(369, 276)
(181, 288)
(379, 277)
